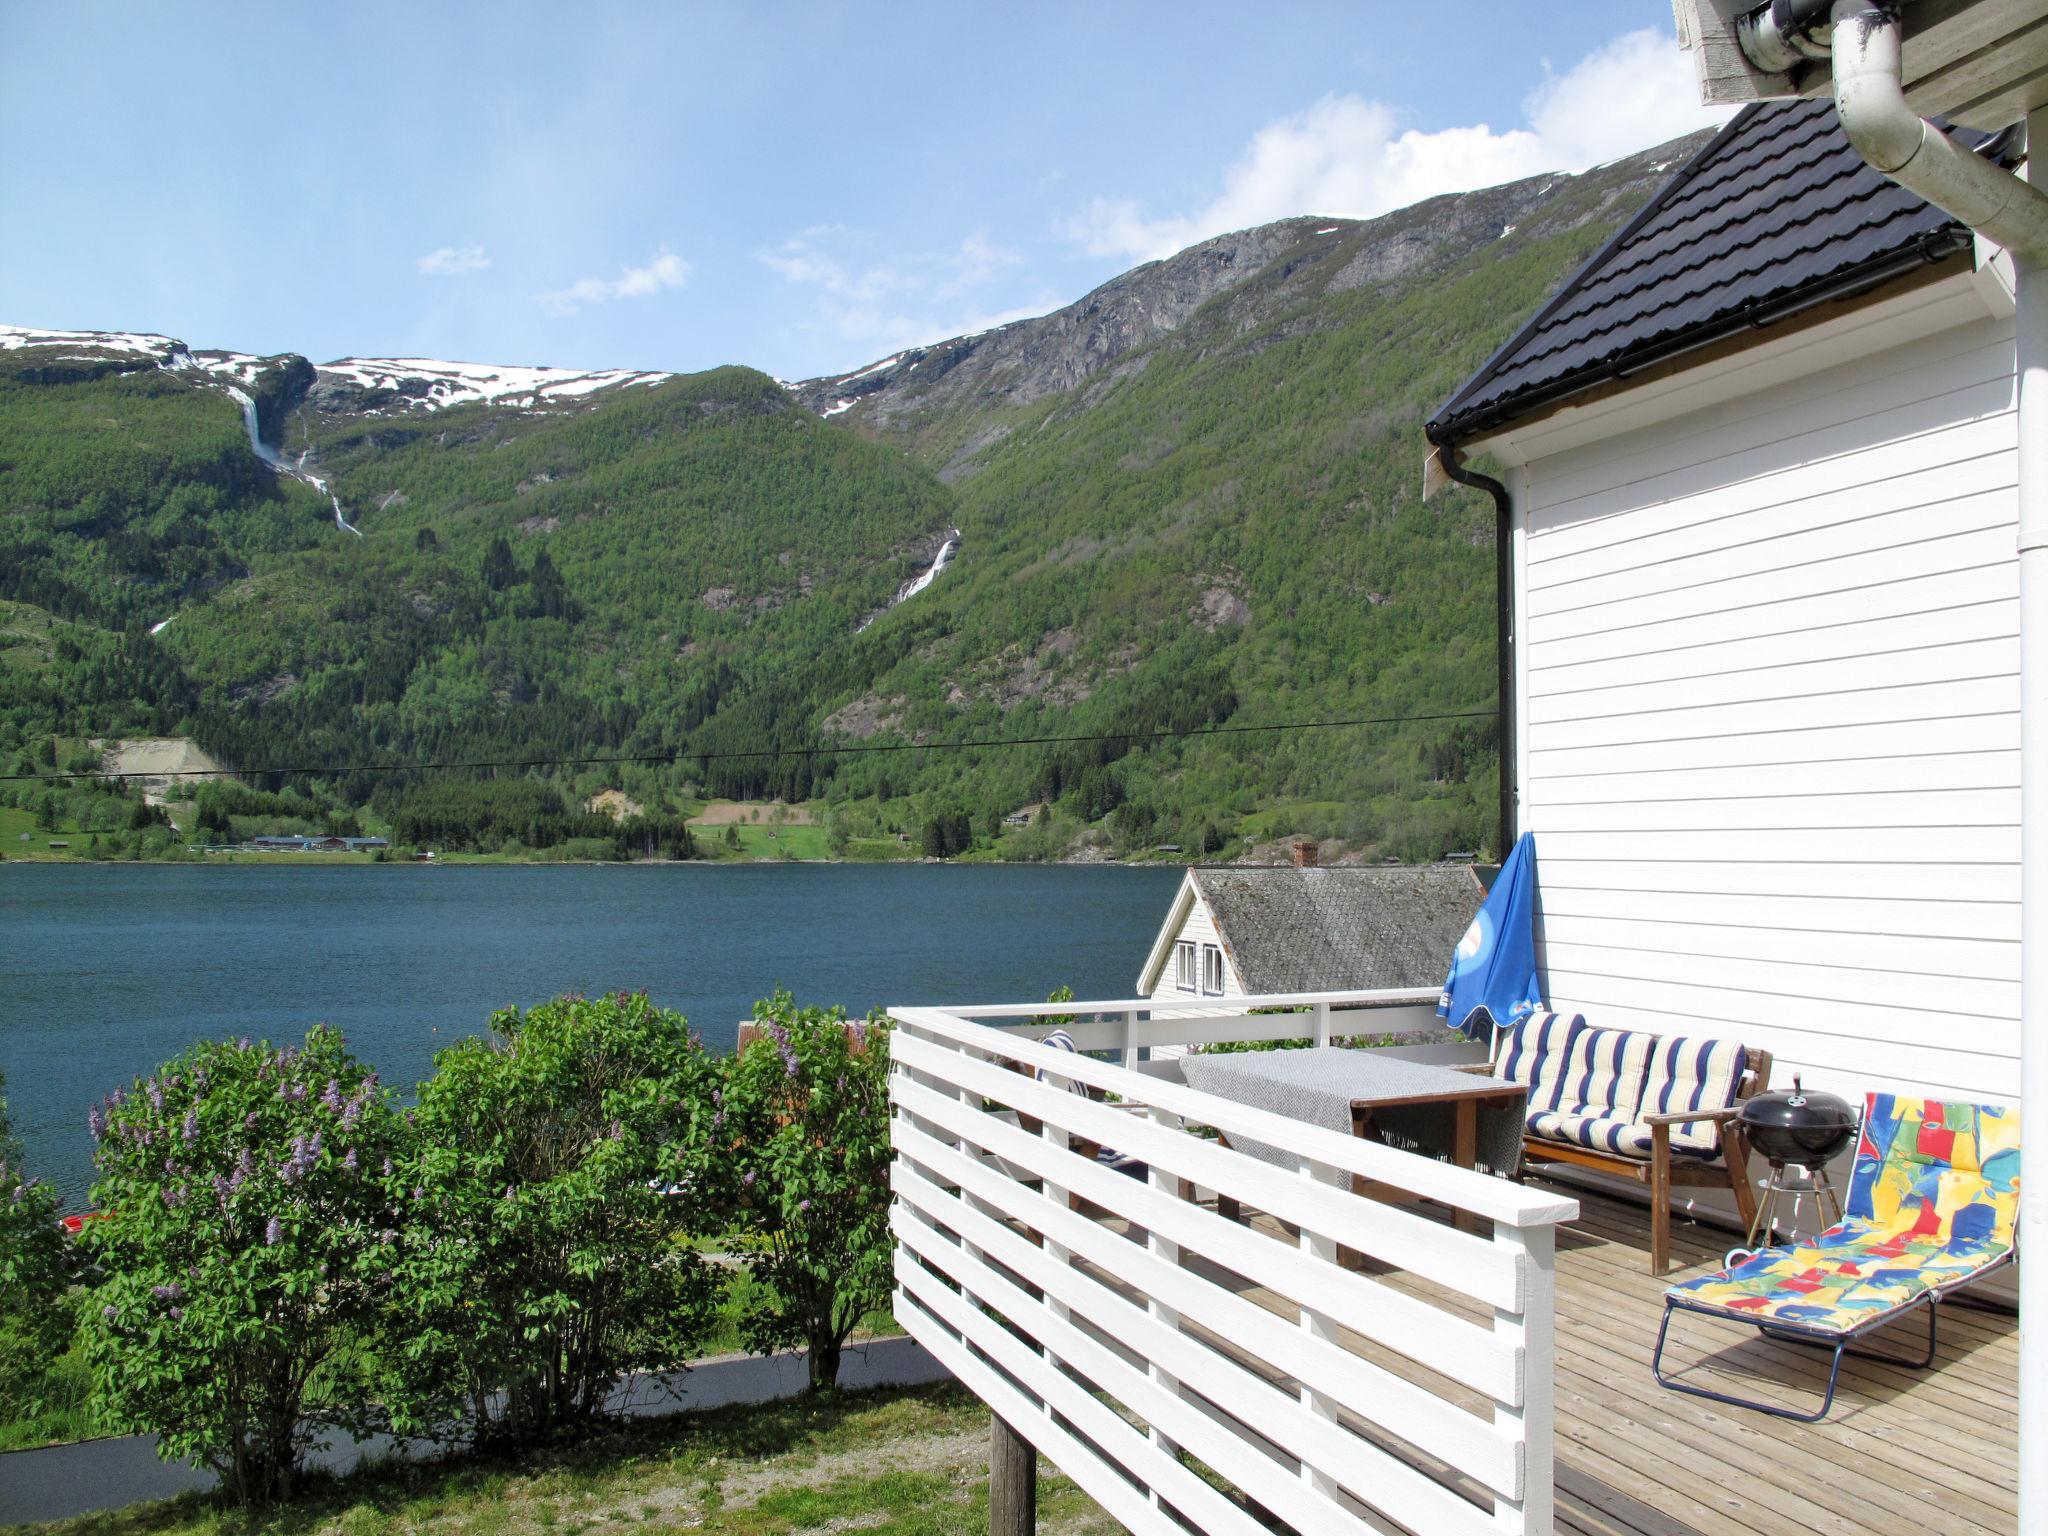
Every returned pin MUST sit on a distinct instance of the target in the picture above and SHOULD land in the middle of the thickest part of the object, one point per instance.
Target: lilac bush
(34, 1273)
(555, 1180)
(804, 1122)
(242, 1254)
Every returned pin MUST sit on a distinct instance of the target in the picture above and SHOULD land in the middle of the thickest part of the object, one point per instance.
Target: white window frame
(1184, 973)
(1212, 971)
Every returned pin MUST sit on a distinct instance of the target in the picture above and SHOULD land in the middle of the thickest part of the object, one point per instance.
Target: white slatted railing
(1150, 1347)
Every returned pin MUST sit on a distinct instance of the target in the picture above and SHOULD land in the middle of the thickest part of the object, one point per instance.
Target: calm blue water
(106, 970)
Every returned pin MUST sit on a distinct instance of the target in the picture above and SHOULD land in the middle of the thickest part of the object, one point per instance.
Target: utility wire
(992, 743)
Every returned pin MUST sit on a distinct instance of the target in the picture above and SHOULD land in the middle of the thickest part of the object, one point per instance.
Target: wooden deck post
(1012, 1482)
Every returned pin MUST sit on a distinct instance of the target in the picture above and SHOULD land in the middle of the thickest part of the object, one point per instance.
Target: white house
(1761, 477)
(1242, 931)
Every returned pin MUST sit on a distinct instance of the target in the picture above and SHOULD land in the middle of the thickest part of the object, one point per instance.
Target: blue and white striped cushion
(1629, 1138)
(1604, 1076)
(1534, 1054)
(1694, 1074)
(1060, 1040)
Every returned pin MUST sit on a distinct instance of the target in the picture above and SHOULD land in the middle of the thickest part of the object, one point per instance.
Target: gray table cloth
(1319, 1085)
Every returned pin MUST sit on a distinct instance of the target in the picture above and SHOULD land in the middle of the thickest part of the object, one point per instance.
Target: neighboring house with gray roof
(1233, 932)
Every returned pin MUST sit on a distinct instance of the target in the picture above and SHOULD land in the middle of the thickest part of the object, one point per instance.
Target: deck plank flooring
(1904, 1452)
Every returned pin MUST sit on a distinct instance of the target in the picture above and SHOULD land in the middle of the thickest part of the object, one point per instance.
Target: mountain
(1188, 500)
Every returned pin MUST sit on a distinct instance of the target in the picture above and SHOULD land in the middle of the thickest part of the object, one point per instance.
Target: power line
(658, 758)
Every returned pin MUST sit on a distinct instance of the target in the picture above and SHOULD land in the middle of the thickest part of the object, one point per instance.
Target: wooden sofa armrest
(1718, 1116)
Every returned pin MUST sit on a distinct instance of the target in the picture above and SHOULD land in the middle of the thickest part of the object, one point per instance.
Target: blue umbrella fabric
(1493, 980)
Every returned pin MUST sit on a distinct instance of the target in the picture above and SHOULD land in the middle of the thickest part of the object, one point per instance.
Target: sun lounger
(1931, 1207)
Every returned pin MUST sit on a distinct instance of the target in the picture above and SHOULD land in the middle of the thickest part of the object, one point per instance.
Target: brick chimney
(1304, 854)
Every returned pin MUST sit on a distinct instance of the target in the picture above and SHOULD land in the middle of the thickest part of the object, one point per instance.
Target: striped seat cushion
(1628, 1138)
(1693, 1074)
(1604, 1075)
(1534, 1054)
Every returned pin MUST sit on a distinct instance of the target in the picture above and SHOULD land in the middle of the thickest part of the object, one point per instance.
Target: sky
(803, 186)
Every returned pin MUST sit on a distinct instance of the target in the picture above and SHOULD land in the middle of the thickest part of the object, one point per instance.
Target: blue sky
(802, 187)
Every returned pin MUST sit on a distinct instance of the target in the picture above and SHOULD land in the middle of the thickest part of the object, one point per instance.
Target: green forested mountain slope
(1190, 499)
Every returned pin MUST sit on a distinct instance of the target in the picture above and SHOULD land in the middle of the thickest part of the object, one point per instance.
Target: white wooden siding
(1198, 928)
(1769, 672)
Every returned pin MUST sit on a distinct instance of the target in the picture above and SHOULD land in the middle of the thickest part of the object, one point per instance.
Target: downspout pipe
(1871, 101)
(1503, 634)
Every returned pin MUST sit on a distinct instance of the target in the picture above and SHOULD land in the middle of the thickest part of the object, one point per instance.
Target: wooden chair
(1658, 1165)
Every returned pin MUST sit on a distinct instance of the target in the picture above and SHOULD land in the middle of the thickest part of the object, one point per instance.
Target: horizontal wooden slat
(1478, 1193)
(1118, 1438)
(1996, 732)
(1978, 456)
(1168, 1026)
(1982, 617)
(1994, 1003)
(1868, 918)
(1739, 567)
(1993, 577)
(1981, 543)
(1676, 932)
(1999, 883)
(1462, 1351)
(1101, 1479)
(1792, 684)
(1923, 808)
(1787, 440)
(1882, 845)
(1743, 781)
(1376, 1395)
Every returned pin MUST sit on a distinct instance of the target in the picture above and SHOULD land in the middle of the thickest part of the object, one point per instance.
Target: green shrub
(34, 1265)
(247, 1241)
(555, 1175)
(806, 1124)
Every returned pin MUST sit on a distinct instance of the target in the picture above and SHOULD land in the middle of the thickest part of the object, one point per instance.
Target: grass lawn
(898, 1463)
(13, 823)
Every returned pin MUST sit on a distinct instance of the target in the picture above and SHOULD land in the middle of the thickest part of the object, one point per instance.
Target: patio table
(1465, 1118)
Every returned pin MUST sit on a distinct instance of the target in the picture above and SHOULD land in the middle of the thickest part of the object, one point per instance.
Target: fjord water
(108, 969)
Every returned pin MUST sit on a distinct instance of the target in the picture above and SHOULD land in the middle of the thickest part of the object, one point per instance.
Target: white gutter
(1895, 139)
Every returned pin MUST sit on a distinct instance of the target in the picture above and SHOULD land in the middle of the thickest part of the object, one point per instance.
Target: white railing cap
(1367, 997)
(1482, 1194)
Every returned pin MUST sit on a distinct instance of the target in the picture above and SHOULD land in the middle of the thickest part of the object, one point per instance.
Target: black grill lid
(1797, 1126)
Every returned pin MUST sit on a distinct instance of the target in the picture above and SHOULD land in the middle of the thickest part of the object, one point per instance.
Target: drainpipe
(1871, 103)
(1503, 632)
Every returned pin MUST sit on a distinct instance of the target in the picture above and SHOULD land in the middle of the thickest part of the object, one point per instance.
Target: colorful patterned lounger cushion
(1933, 1201)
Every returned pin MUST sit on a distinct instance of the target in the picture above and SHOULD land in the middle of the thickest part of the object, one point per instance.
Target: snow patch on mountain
(139, 343)
(427, 384)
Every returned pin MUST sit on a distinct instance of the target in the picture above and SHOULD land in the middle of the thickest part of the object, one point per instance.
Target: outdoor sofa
(1932, 1206)
(1658, 1109)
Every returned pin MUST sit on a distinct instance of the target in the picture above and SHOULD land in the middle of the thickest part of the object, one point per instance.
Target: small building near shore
(1235, 931)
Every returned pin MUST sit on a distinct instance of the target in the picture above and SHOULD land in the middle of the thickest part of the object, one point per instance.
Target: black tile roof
(1776, 212)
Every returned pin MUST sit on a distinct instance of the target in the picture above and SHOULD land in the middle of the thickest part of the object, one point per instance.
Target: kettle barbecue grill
(1797, 1130)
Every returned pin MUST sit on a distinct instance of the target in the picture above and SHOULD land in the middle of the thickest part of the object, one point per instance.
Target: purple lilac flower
(155, 1090)
(419, 1193)
(387, 1167)
(802, 1206)
(273, 1234)
(251, 1121)
(349, 1162)
(223, 1191)
(191, 1127)
(242, 1044)
(171, 1292)
(110, 1312)
(748, 1181)
(96, 1123)
(177, 1314)
(244, 1166)
(332, 1097)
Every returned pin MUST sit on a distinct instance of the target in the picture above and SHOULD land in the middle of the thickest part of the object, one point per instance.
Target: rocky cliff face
(1262, 274)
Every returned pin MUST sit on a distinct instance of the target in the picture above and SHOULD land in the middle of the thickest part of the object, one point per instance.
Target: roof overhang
(1979, 63)
(1162, 944)
(1938, 299)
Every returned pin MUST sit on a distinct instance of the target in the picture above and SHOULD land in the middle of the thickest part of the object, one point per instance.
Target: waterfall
(921, 580)
(278, 462)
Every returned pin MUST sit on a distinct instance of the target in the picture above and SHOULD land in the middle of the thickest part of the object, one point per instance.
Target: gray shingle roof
(1777, 212)
(1317, 930)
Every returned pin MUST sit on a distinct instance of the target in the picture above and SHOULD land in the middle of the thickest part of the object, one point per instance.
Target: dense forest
(681, 591)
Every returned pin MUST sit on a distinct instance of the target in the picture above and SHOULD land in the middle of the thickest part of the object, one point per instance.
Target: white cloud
(666, 270)
(1346, 155)
(907, 299)
(453, 261)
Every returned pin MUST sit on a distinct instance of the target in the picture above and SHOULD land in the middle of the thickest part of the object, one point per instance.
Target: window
(1212, 970)
(1184, 967)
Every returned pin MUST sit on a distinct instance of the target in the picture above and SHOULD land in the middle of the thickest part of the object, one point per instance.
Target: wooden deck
(1905, 1452)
